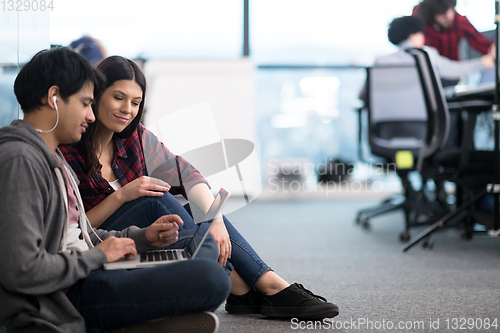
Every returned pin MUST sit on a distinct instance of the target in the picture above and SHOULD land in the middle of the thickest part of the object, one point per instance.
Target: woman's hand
(141, 187)
(219, 233)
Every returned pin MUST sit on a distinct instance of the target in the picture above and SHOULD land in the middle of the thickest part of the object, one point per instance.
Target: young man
(444, 28)
(50, 278)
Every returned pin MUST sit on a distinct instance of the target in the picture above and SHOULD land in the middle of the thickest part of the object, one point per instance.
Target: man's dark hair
(402, 27)
(59, 67)
(428, 9)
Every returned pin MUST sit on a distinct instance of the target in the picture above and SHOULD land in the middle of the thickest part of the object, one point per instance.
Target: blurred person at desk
(407, 32)
(444, 28)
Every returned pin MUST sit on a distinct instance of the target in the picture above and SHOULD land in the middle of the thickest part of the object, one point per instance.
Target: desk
(477, 99)
(485, 91)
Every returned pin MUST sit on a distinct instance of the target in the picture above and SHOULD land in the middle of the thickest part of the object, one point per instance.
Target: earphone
(54, 98)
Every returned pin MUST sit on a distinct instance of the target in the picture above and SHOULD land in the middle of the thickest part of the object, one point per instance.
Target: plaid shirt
(141, 154)
(446, 40)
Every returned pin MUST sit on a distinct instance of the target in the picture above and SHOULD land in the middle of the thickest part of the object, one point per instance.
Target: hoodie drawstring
(62, 186)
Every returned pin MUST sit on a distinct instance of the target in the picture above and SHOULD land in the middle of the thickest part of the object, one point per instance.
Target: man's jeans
(111, 299)
(144, 211)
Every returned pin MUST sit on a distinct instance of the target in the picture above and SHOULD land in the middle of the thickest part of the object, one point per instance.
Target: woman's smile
(120, 118)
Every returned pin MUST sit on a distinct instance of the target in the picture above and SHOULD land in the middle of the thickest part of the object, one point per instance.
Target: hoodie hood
(20, 130)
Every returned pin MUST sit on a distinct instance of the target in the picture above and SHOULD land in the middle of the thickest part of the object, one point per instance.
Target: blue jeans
(111, 299)
(144, 211)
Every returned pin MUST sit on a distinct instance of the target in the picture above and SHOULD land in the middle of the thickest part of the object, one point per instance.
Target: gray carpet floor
(376, 286)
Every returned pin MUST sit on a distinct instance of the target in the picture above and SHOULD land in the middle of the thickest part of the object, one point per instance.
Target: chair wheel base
(466, 234)
(365, 224)
(428, 243)
(404, 236)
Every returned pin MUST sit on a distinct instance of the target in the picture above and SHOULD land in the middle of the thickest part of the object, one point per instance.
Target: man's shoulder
(21, 157)
(397, 58)
(21, 149)
(430, 49)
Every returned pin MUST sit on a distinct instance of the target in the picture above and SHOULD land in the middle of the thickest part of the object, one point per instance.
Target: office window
(22, 34)
(481, 13)
(153, 29)
(326, 32)
(322, 31)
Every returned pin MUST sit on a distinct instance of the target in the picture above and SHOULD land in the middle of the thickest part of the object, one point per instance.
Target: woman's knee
(192, 238)
(169, 201)
(153, 207)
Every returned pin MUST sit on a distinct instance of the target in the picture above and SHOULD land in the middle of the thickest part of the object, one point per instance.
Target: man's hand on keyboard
(164, 231)
(116, 248)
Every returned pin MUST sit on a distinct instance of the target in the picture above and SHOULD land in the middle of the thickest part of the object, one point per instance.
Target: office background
(297, 48)
(308, 57)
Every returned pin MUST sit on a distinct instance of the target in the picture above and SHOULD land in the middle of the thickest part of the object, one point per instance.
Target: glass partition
(22, 34)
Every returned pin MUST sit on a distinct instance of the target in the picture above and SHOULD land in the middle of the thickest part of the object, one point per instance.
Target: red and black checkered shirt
(446, 40)
(141, 154)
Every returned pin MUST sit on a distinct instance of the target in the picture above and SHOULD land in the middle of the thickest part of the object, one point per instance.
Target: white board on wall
(228, 85)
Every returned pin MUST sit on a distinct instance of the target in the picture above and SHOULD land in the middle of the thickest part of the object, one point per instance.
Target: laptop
(166, 256)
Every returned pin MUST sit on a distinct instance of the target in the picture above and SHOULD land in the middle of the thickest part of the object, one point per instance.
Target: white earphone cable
(57, 118)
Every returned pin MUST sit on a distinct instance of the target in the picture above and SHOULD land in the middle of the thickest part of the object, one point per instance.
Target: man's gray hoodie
(33, 271)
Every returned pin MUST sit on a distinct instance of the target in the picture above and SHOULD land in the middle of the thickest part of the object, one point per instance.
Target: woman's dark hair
(114, 68)
(402, 27)
(59, 67)
(428, 9)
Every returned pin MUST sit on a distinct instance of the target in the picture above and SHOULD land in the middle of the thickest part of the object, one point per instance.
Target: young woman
(114, 161)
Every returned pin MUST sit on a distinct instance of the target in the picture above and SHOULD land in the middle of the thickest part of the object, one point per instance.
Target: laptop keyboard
(162, 255)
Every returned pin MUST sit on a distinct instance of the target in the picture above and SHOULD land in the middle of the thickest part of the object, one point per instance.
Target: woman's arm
(476, 39)
(201, 196)
(165, 165)
(140, 187)
(103, 210)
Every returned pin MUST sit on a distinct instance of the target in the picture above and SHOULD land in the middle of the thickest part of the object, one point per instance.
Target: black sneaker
(201, 322)
(248, 303)
(297, 302)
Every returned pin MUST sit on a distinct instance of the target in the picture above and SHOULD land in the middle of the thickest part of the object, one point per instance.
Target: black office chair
(471, 170)
(398, 121)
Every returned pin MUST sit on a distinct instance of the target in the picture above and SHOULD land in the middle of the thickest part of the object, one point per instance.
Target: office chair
(471, 170)
(398, 121)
